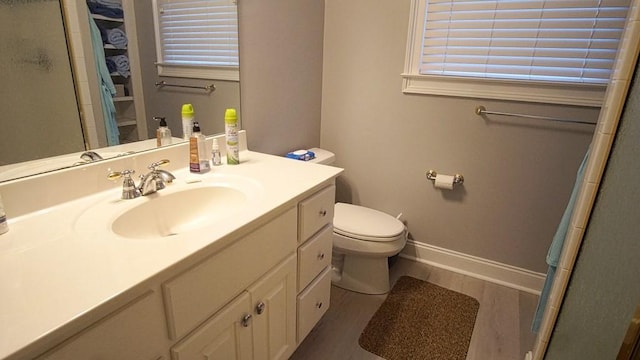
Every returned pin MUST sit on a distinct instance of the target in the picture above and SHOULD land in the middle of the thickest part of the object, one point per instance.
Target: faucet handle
(157, 164)
(129, 189)
(115, 175)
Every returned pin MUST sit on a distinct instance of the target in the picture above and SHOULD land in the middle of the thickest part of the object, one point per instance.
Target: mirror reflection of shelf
(105, 18)
(130, 112)
(111, 47)
(127, 123)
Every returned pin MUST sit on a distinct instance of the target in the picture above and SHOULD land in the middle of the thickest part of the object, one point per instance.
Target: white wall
(518, 173)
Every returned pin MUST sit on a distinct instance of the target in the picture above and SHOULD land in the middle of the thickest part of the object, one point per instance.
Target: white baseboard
(488, 270)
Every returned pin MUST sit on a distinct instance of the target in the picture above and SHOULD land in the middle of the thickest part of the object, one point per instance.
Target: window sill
(547, 93)
(197, 72)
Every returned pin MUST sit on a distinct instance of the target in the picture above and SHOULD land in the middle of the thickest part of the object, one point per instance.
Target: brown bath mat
(419, 320)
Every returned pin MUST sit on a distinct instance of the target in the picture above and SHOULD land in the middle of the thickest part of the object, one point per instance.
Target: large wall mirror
(44, 118)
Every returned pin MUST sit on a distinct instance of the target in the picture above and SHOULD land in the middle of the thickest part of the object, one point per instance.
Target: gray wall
(518, 173)
(281, 73)
(603, 290)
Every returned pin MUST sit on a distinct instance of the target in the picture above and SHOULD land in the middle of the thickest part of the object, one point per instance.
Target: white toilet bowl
(363, 240)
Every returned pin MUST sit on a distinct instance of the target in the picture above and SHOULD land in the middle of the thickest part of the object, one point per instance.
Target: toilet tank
(324, 157)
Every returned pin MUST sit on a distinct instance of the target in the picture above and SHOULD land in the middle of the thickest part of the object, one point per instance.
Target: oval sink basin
(169, 214)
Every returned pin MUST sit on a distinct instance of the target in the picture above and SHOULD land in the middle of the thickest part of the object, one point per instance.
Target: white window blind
(548, 51)
(571, 41)
(196, 35)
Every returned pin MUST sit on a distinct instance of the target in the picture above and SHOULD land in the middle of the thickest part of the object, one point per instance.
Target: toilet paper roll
(444, 182)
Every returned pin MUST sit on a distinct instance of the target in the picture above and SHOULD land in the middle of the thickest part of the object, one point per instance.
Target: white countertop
(52, 273)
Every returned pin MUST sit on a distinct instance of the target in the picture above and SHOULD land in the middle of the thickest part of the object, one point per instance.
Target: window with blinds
(554, 45)
(197, 38)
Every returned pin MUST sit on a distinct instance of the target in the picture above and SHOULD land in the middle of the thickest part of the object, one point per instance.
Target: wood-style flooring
(502, 329)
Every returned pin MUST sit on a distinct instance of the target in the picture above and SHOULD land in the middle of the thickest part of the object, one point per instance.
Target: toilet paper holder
(457, 178)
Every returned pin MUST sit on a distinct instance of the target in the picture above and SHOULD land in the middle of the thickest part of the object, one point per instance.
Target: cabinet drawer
(313, 302)
(314, 256)
(199, 292)
(315, 212)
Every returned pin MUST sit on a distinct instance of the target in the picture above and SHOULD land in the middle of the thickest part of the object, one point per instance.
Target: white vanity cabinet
(315, 237)
(256, 297)
(258, 324)
(135, 331)
(260, 267)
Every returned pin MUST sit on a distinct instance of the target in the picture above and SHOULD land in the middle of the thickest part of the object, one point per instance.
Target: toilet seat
(366, 224)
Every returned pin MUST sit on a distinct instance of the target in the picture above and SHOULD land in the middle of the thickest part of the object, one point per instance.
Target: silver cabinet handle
(323, 213)
(319, 304)
(320, 256)
(245, 320)
(260, 307)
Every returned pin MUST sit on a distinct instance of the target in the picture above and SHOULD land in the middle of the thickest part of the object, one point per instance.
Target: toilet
(363, 241)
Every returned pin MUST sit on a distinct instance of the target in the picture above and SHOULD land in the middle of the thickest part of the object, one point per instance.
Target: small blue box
(304, 155)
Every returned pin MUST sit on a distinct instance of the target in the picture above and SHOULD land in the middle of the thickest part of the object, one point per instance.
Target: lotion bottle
(231, 136)
(198, 160)
(187, 121)
(163, 134)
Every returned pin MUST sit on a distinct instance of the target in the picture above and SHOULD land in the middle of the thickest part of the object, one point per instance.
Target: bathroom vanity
(238, 269)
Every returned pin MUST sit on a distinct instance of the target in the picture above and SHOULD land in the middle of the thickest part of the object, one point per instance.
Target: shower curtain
(553, 255)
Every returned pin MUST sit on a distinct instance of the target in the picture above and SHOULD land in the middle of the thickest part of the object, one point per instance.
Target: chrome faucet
(151, 182)
(155, 180)
(90, 156)
(129, 189)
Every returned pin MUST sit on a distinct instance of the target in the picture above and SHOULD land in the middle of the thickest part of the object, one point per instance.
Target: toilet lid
(364, 223)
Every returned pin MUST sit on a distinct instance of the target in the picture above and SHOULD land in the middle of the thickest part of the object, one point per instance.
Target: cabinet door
(226, 336)
(274, 310)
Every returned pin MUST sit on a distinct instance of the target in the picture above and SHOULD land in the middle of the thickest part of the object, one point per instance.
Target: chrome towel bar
(481, 110)
(207, 88)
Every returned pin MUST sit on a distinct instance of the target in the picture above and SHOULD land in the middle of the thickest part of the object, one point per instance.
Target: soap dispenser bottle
(163, 134)
(198, 160)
